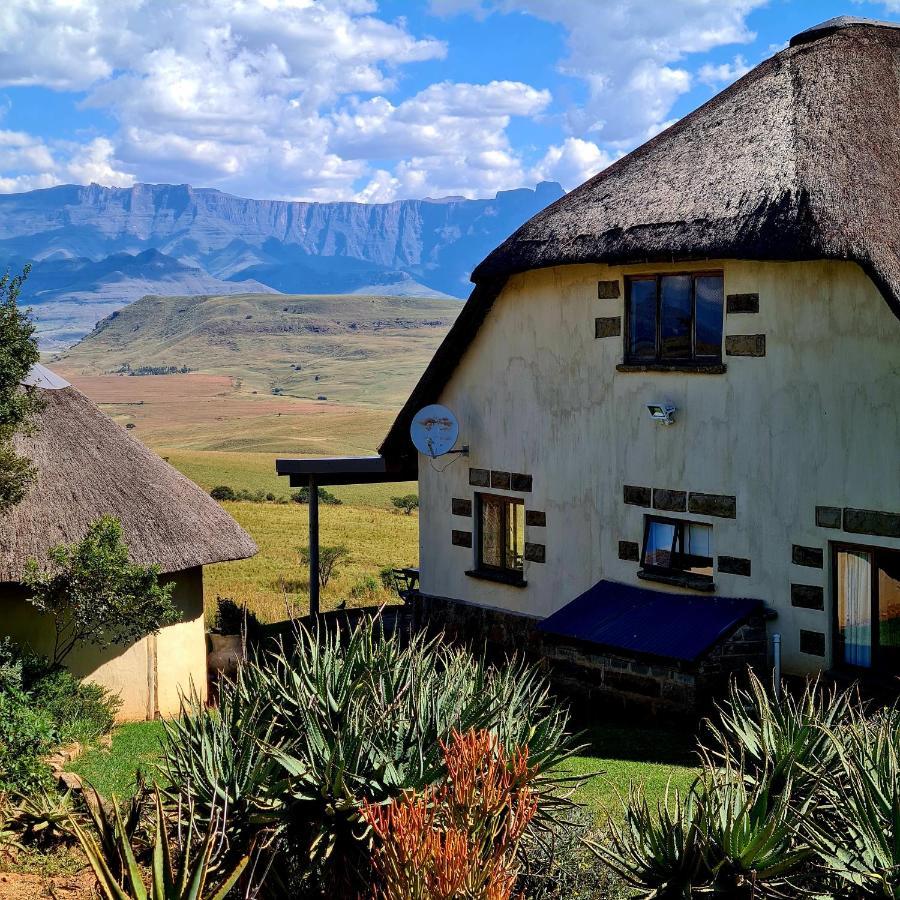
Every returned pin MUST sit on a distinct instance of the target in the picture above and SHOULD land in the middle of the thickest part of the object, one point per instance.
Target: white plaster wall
(814, 422)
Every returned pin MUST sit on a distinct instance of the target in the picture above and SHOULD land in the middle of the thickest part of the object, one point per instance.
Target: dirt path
(39, 887)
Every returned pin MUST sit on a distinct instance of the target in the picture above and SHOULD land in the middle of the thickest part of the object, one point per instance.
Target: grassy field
(273, 583)
(651, 756)
(352, 349)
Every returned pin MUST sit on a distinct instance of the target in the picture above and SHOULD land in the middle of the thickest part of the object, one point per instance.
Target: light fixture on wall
(664, 413)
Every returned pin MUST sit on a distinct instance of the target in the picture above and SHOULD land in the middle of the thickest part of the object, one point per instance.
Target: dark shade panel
(812, 642)
(461, 507)
(462, 538)
(607, 290)
(742, 303)
(670, 501)
(480, 477)
(735, 565)
(637, 496)
(535, 518)
(807, 596)
(828, 516)
(500, 480)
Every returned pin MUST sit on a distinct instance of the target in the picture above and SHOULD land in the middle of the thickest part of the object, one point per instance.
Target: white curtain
(854, 576)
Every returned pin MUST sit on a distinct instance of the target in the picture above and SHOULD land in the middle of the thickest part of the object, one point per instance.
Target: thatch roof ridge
(797, 160)
(89, 466)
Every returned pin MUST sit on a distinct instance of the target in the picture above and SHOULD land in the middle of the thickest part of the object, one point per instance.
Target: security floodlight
(662, 412)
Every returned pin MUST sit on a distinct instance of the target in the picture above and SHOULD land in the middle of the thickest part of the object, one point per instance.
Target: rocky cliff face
(409, 246)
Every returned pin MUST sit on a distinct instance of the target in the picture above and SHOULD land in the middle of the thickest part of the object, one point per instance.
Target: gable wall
(815, 422)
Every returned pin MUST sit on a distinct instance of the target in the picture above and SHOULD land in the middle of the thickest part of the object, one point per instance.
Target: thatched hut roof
(87, 467)
(798, 160)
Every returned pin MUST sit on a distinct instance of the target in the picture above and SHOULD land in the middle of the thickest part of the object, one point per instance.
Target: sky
(365, 100)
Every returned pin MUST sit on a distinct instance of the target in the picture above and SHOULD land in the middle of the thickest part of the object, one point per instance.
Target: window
(674, 319)
(867, 608)
(678, 551)
(501, 540)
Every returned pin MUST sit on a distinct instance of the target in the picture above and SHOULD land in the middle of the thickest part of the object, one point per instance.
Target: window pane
(854, 589)
(515, 537)
(675, 314)
(658, 544)
(492, 532)
(642, 319)
(708, 342)
(889, 611)
(698, 549)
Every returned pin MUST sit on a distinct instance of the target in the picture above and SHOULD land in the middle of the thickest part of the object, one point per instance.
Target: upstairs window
(674, 319)
(501, 541)
(678, 551)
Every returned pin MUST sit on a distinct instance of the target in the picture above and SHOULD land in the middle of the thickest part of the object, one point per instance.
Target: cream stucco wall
(814, 422)
(148, 674)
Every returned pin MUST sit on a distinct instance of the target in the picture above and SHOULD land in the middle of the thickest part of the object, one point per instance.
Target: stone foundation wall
(590, 674)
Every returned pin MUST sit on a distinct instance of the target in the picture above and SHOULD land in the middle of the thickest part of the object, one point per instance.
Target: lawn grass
(135, 745)
(615, 756)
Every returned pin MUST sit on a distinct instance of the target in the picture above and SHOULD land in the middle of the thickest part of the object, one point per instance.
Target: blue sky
(364, 100)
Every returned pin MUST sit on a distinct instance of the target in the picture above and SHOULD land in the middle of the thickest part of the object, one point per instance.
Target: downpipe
(776, 663)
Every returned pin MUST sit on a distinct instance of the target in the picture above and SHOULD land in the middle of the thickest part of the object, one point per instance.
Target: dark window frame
(688, 362)
(506, 503)
(674, 574)
(837, 644)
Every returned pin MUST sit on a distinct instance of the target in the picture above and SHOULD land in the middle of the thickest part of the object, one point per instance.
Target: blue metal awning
(635, 620)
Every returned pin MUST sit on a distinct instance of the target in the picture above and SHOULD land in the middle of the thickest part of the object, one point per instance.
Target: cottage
(87, 467)
(680, 390)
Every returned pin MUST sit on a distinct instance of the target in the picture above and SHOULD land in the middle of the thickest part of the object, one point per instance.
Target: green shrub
(326, 497)
(80, 712)
(367, 588)
(350, 716)
(386, 575)
(222, 492)
(41, 708)
(406, 504)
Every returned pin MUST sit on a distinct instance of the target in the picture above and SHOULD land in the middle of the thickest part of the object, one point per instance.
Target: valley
(271, 375)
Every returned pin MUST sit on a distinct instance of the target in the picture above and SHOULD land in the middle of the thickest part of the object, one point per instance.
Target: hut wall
(814, 422)
(147, 674)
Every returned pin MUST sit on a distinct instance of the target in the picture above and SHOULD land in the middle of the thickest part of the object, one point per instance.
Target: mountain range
(95, 249)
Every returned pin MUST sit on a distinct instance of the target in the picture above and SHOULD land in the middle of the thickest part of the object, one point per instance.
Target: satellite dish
(434, 430)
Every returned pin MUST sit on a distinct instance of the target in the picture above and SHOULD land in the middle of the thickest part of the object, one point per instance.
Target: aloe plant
(176, 872)
(348, 717)
(661, 849)
(752, 845)
(857, 841)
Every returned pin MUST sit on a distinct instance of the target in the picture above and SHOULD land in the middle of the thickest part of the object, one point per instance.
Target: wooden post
(313, 546)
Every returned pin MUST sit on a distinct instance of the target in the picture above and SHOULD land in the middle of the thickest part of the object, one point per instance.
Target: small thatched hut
(87, 467)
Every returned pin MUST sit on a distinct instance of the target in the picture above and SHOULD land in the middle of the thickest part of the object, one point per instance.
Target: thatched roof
(88, 466)
(798, 160)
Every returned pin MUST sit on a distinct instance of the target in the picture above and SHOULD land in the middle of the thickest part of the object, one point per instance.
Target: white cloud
(571, 163)
(723, 74)
(299, 98)
(30, 163)
(629, 53)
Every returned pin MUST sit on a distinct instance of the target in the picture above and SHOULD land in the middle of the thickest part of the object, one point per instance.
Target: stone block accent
(602, 677)
(670, 501)
(807, 596)
(813, 557)
(610, 326)
(520, 482)
(608, 290)
(480, 477)
(461, 507)
(500, 480)
(630, 550)
(536, 553)
(812, 642)
(742, 303)
(637, 496)
(462, 538)
(734, 565)
(871, 521)
(828, 516)
(535, 518)
(745, 345)
(721, 505)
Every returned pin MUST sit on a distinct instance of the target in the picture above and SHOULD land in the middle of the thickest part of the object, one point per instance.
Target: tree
(408, 503)
(96, 595)
(18, 353)
(329, 559)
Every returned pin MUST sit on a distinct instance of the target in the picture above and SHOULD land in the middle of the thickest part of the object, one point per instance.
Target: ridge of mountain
(211, 242)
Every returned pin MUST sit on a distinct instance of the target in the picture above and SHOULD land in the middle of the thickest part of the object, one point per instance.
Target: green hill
(357, 349)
